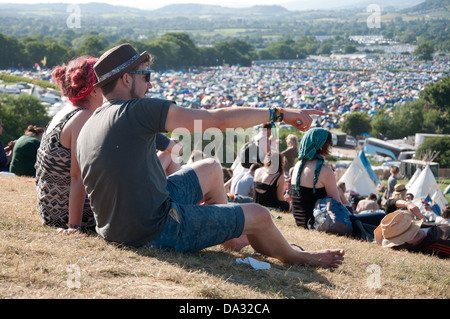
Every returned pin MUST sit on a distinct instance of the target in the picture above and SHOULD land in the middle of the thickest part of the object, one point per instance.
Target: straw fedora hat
(116, 62)
(396, 229)
(399, 191)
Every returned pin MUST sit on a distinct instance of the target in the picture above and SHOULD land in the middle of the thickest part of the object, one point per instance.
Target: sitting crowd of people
(311, 179)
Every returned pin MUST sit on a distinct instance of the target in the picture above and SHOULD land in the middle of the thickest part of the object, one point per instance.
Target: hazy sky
(289, 4)
(155, 4)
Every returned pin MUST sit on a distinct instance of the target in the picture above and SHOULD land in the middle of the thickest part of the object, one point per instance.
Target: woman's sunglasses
(146, 72)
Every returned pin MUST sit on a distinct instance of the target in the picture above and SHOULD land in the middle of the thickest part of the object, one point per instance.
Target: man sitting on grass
(133, 201)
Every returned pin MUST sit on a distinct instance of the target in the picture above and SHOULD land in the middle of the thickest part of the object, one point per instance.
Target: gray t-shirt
(123, 177)
(242, 184)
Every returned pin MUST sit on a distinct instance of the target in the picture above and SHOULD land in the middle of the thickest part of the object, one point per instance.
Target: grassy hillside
(36, 262)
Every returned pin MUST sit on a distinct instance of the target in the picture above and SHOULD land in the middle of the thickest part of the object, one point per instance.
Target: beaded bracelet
(276, 114)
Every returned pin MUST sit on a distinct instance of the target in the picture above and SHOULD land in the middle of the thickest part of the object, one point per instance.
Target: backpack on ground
(332, 217)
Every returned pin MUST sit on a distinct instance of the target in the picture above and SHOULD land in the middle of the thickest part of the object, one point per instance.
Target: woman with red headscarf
(62, 200)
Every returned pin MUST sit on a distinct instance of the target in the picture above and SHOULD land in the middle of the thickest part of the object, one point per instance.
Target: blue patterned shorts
(192, 227)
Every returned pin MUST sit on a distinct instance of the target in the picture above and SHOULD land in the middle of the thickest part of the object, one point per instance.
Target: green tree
(186, 53)
(437, 94)
(56, 54)
(306, 45)
(92, 45)
(164, 53)
(11, 53)
(424, 51)
(17, 112)
(436, 144)
(349, 49)
(407, 119)
(280, 50)
(382, 123)
(235, 52)
(436, 97)
(357, 123)
(208, 56)
(34, 50)
(326, 48)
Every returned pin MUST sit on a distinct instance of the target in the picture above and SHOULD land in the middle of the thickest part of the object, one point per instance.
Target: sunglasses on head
(146, 72)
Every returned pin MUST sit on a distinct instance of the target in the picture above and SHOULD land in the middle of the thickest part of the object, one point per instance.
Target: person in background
(400, 230)
(342, 189)
(269, 183)
(241, 185)
(5, 152)
(398, 201)
(311, 178)
(392, 181)
(445, 216)
(61, 197)
(25, 150)
(290, 154)
(263, 140)
(169, 151)
(369, 203)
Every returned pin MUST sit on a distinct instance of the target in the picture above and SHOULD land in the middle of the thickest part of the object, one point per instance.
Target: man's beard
(133, 93)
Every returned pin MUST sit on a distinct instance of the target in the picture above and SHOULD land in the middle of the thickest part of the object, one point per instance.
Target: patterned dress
(53, 180)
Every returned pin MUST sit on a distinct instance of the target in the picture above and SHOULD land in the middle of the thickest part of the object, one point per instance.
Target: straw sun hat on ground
(396, 229)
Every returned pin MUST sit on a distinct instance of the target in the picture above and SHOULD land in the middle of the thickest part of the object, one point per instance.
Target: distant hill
(430, 6)
(195, 10)
(39, 9)
(302, 5)
(201, 10)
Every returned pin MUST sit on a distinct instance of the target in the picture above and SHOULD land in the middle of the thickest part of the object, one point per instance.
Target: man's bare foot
(236, 244)
(328, 259)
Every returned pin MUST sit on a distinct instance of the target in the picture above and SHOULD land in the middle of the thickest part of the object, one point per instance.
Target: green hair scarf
(311, 142)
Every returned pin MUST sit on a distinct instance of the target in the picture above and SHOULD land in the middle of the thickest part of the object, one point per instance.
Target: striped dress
(53, 180)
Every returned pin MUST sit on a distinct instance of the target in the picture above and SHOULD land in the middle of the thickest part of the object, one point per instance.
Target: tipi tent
(413, 178)
(357, 178)
(368, 167)
(425, 185)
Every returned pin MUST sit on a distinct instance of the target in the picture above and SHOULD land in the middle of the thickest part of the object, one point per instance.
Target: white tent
(425, 185)
(413, 178)
(356, 178)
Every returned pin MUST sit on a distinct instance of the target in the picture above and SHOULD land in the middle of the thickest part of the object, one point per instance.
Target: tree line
(172, 50)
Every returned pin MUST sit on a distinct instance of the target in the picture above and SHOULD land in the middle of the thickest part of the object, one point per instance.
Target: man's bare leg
(210, 176)
(266, 239)
(259, 229)
(167, 162)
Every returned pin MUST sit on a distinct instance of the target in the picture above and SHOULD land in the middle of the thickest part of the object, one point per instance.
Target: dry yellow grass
(36, 262)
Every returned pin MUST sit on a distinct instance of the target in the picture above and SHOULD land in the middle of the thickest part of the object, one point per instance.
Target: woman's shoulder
(79, 118)
(327, 173)
(327, 169)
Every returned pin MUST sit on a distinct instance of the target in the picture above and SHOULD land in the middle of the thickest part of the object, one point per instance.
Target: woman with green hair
(311, 178)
